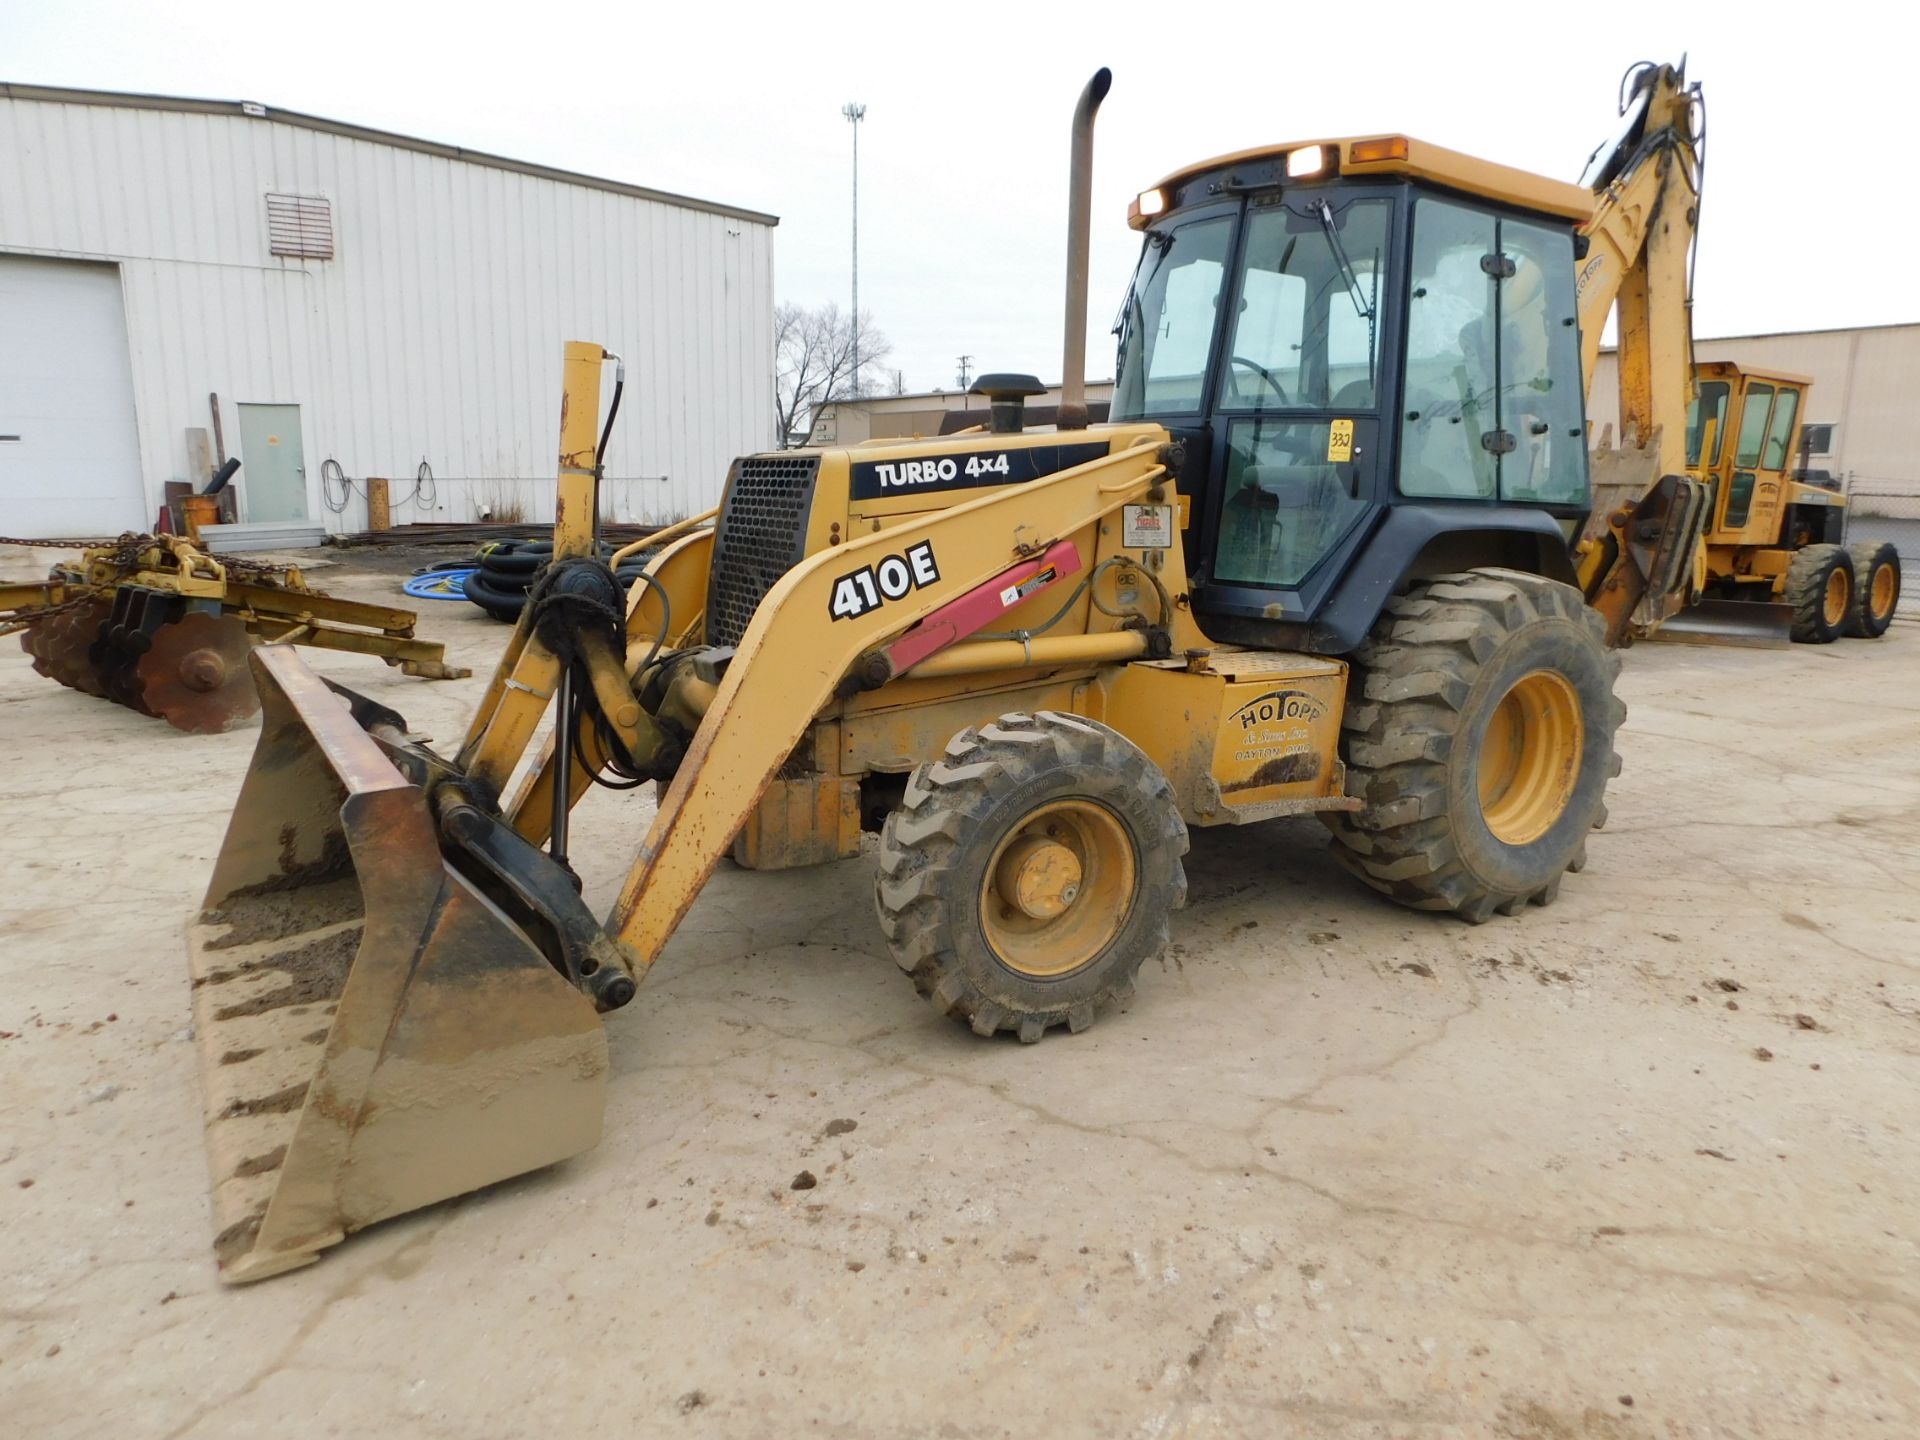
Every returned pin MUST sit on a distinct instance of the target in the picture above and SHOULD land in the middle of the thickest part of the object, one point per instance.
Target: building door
(273, 475)
(69, 453)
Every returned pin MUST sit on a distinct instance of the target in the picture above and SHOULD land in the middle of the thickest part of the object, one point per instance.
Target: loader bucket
(375, 1034)
(1756, 623)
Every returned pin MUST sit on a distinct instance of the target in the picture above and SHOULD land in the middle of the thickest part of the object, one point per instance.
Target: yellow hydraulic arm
(1640, 557)
(786, 667)
(795, 653)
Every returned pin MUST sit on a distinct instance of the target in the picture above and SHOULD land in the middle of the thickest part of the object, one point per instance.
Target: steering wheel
(1264, 373)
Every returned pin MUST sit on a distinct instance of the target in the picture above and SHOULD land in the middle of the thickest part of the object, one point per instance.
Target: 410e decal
(893, 578)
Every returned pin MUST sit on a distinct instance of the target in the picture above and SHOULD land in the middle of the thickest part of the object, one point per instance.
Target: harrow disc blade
(64, 643)
(195, 675)
(31, 639)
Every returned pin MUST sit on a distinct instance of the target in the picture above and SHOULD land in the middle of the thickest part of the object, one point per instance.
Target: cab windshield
(1166, 322)
(1305, 310)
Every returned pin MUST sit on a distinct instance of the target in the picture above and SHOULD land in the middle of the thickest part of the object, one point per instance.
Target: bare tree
(813, 353)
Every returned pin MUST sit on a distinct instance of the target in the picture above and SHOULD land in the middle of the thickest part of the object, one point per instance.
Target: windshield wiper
(1354, 292)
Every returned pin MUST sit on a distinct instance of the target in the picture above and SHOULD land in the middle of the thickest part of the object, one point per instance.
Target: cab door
(1297, 396)
(1756, 493)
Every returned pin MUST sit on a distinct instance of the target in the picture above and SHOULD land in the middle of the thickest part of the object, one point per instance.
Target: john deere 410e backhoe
(1317, 562)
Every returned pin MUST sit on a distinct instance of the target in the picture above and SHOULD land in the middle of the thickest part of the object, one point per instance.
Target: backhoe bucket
(1756, 623)
(375, 1034)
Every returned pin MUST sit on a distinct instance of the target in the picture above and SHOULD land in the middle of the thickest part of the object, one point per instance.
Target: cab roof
(1733, 369)
(1369, 155)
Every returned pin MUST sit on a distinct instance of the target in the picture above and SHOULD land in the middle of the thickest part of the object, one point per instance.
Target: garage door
(69, 457)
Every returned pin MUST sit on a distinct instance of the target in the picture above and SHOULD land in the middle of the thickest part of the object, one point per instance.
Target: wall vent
(300, 226)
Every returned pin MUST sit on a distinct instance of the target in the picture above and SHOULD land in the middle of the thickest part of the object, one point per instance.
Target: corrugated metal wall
(1864, 382)
(435, 334)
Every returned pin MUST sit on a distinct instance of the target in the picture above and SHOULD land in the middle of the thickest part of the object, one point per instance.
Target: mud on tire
(1426, 686)
(958, 815)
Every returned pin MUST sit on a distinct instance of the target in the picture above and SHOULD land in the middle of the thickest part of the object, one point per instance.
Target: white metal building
(348, 295)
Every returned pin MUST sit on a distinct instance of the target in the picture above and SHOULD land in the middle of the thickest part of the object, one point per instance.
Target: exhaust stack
(1073, 370)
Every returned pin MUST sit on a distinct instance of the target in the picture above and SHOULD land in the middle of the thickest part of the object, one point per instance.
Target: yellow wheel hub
(1838, 593)
(1884, 590)
(1058, 888)
(1530, 757)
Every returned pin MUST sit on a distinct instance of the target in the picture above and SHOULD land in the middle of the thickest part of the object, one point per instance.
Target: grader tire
(1876, 588)
(1029, 872)
(1820, 589)
(1479, 734)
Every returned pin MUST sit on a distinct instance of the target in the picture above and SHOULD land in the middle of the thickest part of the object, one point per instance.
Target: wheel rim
(1058, 888)
(1530, 757)
(1884, 590)
(1835, 604)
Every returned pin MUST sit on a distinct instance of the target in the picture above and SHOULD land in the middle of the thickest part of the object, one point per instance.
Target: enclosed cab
(1370, 348)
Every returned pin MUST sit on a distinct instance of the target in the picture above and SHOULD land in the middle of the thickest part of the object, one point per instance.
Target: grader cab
(1317, 564)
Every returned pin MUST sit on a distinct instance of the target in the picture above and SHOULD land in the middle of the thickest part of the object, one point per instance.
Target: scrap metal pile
(155, 624)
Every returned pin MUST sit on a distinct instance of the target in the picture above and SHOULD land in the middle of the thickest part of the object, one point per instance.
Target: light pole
(855, 113)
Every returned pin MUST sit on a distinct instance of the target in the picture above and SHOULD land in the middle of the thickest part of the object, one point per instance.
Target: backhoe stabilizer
(377, 1028)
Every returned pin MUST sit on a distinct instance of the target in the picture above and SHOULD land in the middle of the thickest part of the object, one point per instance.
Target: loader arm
(662, 614)
(797, 651)
(1641, 557)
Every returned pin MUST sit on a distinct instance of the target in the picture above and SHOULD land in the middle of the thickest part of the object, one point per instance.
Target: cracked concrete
(1342, 1170)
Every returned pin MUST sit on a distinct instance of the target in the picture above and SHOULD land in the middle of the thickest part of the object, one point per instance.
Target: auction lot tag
(1340, 442)
(1146, 527)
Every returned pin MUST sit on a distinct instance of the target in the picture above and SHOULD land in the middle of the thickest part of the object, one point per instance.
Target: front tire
(1029, 872)
(1480, 738)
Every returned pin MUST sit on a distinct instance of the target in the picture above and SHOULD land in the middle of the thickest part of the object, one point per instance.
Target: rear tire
(1876, 588)
(1029, 872)
(1820, 589)
(1479, 734)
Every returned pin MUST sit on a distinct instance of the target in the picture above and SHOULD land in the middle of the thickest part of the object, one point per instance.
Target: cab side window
(1493, 400)
(1786, 409)
(1709, 404)
(1447, 400)
(1753, 425)
(1542, 407)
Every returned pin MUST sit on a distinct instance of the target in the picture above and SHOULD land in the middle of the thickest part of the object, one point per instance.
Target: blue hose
(439, 584)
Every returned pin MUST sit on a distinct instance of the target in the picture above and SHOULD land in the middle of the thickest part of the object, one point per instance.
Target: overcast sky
(963, 151)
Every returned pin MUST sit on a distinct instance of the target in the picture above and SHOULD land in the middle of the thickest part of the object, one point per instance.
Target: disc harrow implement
(154, 624)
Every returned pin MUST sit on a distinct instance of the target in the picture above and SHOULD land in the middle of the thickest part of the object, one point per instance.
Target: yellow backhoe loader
(1316, 563)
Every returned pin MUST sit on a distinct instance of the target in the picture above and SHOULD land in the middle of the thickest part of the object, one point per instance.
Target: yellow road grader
(1774, 542)
(1318, 562)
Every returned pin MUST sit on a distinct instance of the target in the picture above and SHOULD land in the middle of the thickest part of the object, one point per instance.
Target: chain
(123, 555)
(59, 544)
(27, 617)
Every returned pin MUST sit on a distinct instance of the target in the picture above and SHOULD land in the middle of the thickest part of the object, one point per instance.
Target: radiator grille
(762, 534)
